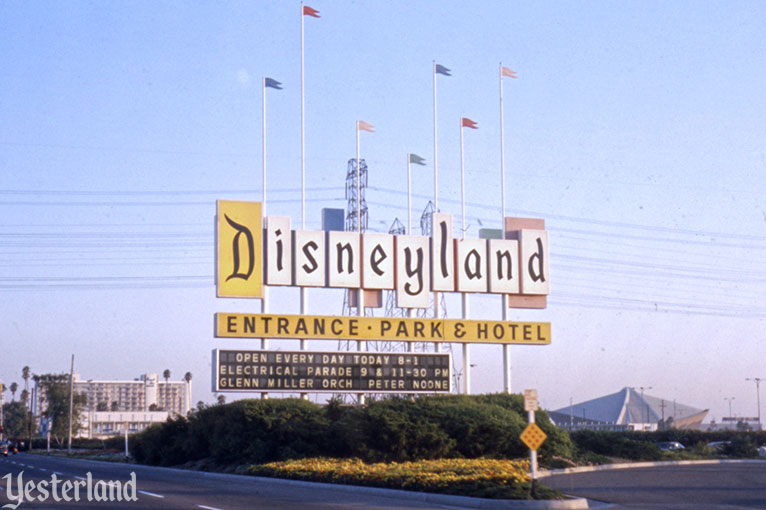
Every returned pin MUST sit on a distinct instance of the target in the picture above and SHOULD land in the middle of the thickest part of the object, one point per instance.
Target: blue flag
(442, 70)
(271, 82)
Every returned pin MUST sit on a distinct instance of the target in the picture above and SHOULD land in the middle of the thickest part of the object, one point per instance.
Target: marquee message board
(320, 327)
(330, 372)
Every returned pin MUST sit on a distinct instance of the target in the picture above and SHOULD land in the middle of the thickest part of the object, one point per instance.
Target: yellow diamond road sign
(533, 436)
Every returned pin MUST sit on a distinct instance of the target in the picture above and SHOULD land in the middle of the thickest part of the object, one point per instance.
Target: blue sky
(635, 129)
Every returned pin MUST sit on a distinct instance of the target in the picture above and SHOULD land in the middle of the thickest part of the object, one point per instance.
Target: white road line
(57, 473)
(42, 469)
(151, 494)
(208, 507)
(80, 477)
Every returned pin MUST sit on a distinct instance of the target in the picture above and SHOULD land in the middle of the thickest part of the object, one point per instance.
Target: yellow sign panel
(533, 436)
(239, 247)
(238, 325)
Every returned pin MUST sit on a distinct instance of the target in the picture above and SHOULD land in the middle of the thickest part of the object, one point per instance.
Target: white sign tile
(412, 275)
(309, 258)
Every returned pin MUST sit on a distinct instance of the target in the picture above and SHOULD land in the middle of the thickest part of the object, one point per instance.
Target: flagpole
(436, 191)
(409, 196)
(265, 297)
(303, 131)
(503, 297)
(304, 297)
(462, 183)
(464, 295)
(360, 298)
(360, 292)
(264, 301)
(436, 152)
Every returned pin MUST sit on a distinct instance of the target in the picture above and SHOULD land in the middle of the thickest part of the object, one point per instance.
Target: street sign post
(532, 436)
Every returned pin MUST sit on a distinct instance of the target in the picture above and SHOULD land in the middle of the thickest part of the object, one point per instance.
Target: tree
(221, 400)
(25, 374)
(25, 396)
(115, 406)
(101, 407)
(13, 387)
(54, 394)
(166, 375)
(188, 379)
(18, 420)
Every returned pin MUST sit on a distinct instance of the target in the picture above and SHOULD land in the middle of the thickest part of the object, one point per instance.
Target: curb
(444, 499)
(629, 465)
(426, 497)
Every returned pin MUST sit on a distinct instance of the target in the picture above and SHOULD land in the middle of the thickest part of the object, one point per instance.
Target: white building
(113, 405)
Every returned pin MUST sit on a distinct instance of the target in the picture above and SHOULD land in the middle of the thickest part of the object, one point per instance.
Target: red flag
(510, 73)
(365, 126)
(310, 11)
(466, 122)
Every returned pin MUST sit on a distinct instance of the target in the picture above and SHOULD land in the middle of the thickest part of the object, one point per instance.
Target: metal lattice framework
(353, 226)
(351, 210)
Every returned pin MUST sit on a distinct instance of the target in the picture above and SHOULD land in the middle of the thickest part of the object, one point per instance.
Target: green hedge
(391, 429)
(642, 445)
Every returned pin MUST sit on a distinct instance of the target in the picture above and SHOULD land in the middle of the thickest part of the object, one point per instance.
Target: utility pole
(71, 402)
(758, 395)
(646, 404)
(729, 399)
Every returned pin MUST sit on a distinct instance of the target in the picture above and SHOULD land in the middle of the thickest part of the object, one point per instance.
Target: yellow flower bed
(469, 477)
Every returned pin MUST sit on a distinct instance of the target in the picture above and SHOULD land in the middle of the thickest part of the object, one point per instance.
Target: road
(671, 487)
(160, 488)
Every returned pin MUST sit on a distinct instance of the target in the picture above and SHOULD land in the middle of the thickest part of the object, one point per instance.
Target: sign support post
(532, 436)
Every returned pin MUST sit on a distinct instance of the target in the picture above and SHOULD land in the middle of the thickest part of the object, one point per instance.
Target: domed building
(628, 410)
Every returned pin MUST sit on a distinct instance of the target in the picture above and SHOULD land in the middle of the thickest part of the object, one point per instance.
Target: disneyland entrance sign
(236, 370)
(249, 255)
(317, 327)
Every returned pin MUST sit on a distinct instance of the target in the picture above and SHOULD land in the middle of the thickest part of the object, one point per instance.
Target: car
(670, 446)
(719, 446)
(4, 449)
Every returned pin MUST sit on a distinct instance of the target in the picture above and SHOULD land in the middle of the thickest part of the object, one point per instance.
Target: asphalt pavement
(709, 486)
(163, 488)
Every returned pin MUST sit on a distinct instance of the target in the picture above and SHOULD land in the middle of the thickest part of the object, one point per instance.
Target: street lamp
(757, 394)
(729, 399)
(642, 388)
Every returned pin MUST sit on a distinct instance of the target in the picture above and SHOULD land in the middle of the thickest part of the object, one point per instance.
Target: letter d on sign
(239, 246)
(533, 245)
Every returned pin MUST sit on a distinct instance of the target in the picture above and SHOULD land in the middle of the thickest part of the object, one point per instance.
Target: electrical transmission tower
(352, 225)
(391, 310)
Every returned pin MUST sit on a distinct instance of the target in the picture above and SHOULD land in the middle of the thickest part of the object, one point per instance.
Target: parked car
(670, 445)
(4, 449)
(719, 446)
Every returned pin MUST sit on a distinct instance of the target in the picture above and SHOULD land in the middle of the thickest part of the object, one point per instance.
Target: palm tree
(24, 396)
(25, 374)
(166, 375)
(188, 378)
(13, 387)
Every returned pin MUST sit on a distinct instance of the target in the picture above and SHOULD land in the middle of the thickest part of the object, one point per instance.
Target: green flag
(414, 158)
